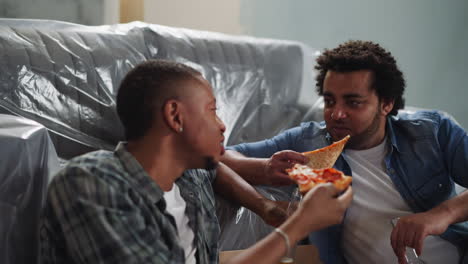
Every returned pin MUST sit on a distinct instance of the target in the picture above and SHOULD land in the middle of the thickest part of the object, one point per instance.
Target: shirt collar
(389, 130)
(328, 138)
(138, 176)
(391, 133)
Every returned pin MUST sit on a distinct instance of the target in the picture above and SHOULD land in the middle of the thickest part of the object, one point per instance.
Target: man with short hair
(404, 165)
(149, 201)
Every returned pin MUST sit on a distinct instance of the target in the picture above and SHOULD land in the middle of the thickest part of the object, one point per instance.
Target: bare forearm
(273, 247)
(455, 209)
(307, 218)
(235, 189)
(250, 169)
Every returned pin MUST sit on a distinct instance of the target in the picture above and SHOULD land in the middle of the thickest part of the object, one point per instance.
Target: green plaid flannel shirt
(104, 208)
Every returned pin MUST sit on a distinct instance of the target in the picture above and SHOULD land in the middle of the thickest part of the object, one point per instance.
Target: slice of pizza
(306, 177)
(327, 156)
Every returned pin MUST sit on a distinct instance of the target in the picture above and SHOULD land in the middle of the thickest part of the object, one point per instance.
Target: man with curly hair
(404, 164)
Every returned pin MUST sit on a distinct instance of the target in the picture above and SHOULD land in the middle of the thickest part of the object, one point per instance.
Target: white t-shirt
(176, 207)
(367, 224)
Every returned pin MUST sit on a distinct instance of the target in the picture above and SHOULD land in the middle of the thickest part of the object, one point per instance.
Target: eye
(328, 102)
(354, 103)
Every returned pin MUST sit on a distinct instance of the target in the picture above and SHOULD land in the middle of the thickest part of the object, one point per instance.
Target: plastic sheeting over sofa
(66, 77)
(27, 161)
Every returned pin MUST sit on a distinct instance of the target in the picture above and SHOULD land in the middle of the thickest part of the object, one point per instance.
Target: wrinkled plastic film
(28, 161)
(240, 227)
(66, 77)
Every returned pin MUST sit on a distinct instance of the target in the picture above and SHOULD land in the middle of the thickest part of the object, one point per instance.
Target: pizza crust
(327, 156)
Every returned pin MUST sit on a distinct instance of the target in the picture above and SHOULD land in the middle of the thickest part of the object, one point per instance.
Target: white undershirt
(367, 226)
(175, 205)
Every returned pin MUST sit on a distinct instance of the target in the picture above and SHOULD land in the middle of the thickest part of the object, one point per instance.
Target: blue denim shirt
(428, 153)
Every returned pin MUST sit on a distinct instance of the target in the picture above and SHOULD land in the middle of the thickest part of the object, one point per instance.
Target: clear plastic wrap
(240, 227)
(27, 162)
(66, 77)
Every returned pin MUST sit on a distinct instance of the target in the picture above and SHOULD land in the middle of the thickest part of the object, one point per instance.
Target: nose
(338, 114)
(222, 126)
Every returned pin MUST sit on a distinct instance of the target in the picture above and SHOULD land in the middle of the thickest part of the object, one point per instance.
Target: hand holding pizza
(322, 207)
(275, 167)
(319, 168)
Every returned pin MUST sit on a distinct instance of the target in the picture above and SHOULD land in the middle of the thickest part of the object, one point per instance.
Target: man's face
(353, 108)
(203, 130)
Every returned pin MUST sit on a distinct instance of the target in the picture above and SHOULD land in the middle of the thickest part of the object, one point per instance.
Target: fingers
(347, 197)
(277, 171)
(418, 245)
(281, 165)
(281, 161)
(408, 239)
(393, 240)
(410, 231)
(400, 252)
(312, 192)
(398, 244)
(291, 156)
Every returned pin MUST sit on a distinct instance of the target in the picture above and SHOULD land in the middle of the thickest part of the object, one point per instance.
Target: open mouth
(222, 147)
(340, 131)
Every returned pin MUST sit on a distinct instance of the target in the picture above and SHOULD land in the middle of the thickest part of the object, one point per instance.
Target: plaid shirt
(104, 208)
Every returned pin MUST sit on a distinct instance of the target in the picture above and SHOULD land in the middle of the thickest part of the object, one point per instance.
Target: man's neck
(159, 160)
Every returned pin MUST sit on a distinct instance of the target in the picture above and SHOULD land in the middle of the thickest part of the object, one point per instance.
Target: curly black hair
(355, 55)
(144, 88)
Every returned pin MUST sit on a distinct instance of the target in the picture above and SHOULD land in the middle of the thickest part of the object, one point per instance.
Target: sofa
(64, 77)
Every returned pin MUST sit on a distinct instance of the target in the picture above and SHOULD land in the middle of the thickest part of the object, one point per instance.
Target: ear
(386, 106)
(173, 116)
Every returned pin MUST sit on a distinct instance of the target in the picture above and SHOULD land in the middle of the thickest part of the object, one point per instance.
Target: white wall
(212, 15)
(111, 11)
(88, 12)
(429, 38)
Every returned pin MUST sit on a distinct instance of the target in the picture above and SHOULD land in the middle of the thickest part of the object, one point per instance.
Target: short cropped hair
(355, 55)
(145, 87)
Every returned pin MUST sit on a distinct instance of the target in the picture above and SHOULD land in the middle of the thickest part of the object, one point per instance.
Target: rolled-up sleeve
(266, 148)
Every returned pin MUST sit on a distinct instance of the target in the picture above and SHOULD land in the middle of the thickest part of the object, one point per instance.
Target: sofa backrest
(66, 77)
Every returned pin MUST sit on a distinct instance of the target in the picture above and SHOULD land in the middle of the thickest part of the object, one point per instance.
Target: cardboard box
(305, 254)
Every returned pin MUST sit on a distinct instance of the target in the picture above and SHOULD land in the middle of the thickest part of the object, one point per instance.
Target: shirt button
(440, 185)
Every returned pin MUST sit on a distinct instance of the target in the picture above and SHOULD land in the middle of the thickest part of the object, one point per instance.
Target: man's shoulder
(421, 119)
(101, 160)
(422, 124)
(313, 129)
(420, 114)
(101, 164)
(198, 176)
